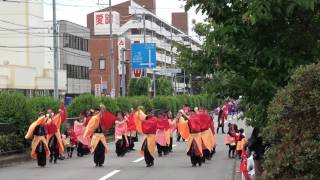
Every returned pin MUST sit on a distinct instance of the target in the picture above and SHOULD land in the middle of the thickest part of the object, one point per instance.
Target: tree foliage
(259, 42)
(139, 86)
(294, 128)
(164, 87)
(81, 103)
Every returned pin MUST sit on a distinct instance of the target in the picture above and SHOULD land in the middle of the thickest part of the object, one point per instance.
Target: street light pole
(123, 77)
(111, 52)
(144, 36)
(55, 50)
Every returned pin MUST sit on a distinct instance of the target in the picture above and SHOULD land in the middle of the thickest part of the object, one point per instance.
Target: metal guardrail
(6, 128)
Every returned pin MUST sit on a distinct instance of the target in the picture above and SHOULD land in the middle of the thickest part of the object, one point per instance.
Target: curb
(14, 159)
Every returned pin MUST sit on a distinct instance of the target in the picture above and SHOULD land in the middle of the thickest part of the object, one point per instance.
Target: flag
(107, 120)
(63, 112)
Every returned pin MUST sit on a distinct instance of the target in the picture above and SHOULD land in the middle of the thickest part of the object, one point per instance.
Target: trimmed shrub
(110, 104)
(124, 103)
(11, 142)
(80, 103)
(294, 126)
(139, 87)
(15, 110)
(132, 86)
(42, 104)
(164, 87)
(161, 102)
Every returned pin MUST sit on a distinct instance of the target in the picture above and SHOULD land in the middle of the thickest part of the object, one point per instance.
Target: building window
(102, 64)
(135, 31)
(65, 40)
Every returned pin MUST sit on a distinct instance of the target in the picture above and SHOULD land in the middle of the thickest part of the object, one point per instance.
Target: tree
(294, 127)
(139, 87)
(259, 42)
(164, 87)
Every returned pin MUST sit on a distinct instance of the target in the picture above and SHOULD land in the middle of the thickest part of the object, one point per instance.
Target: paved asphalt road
(131, 167)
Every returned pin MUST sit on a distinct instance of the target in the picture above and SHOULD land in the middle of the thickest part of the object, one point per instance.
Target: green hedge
(173, 103)
(83, 102)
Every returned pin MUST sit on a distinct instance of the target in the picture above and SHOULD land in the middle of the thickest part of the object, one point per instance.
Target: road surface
(176, 166)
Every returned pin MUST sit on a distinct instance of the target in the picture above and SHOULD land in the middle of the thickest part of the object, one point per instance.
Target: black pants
(195, 159)
(80, 150)
(53, 147)
(207, 154)
(131, 142)
(99, 154)
(179, 137)
(162, 149)
(147, 156)
(70, 151)
(170, 145)
(41, 154)
(121, 147)
(220, 126)
(232, 149)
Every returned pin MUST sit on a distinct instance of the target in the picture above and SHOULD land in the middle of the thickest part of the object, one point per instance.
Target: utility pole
(55, 50)
(111, 52)
(144, 36)
(184, 81)
(123, 77)
(154, 84)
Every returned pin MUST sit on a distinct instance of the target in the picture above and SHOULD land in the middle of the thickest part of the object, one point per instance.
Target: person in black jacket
(258, 148)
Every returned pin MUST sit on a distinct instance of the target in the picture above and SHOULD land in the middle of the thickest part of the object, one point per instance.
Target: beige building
(24, 53)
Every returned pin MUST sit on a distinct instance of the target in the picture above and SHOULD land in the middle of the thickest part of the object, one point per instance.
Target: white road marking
(109, 175)
(174, 145)
(138, 160)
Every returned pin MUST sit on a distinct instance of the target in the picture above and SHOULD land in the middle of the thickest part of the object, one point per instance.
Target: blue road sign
(143, 55)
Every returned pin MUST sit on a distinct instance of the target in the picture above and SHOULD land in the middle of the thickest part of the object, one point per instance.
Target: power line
(28, 27)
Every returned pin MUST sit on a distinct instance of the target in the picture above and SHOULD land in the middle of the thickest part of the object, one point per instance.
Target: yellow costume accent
(35, 143)
(183, 128)
(196, 137)
(151, 143)
(95, 140)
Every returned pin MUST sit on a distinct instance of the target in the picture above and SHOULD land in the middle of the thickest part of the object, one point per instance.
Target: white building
(23, 49)
(73, 46)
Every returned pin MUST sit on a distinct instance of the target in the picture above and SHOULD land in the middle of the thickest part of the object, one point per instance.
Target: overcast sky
(76, 10)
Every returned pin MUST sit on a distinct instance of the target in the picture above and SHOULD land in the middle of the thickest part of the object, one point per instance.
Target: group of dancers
(88, 134)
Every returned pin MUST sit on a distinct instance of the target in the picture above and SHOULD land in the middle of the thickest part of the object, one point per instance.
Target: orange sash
(183, 128)
(196, 137)
(207, 141)
(59, 139)
(151, 143)
(92, 126)
(138, 117)
(39, 121)
(35, 143)
(95, 140)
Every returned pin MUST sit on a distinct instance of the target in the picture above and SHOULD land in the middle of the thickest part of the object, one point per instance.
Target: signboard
(168, 70)
(121, 45)
(102, 22)
(104, 87)
(143, 55)
(97, 90)
(137, 73)
(113, 93)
